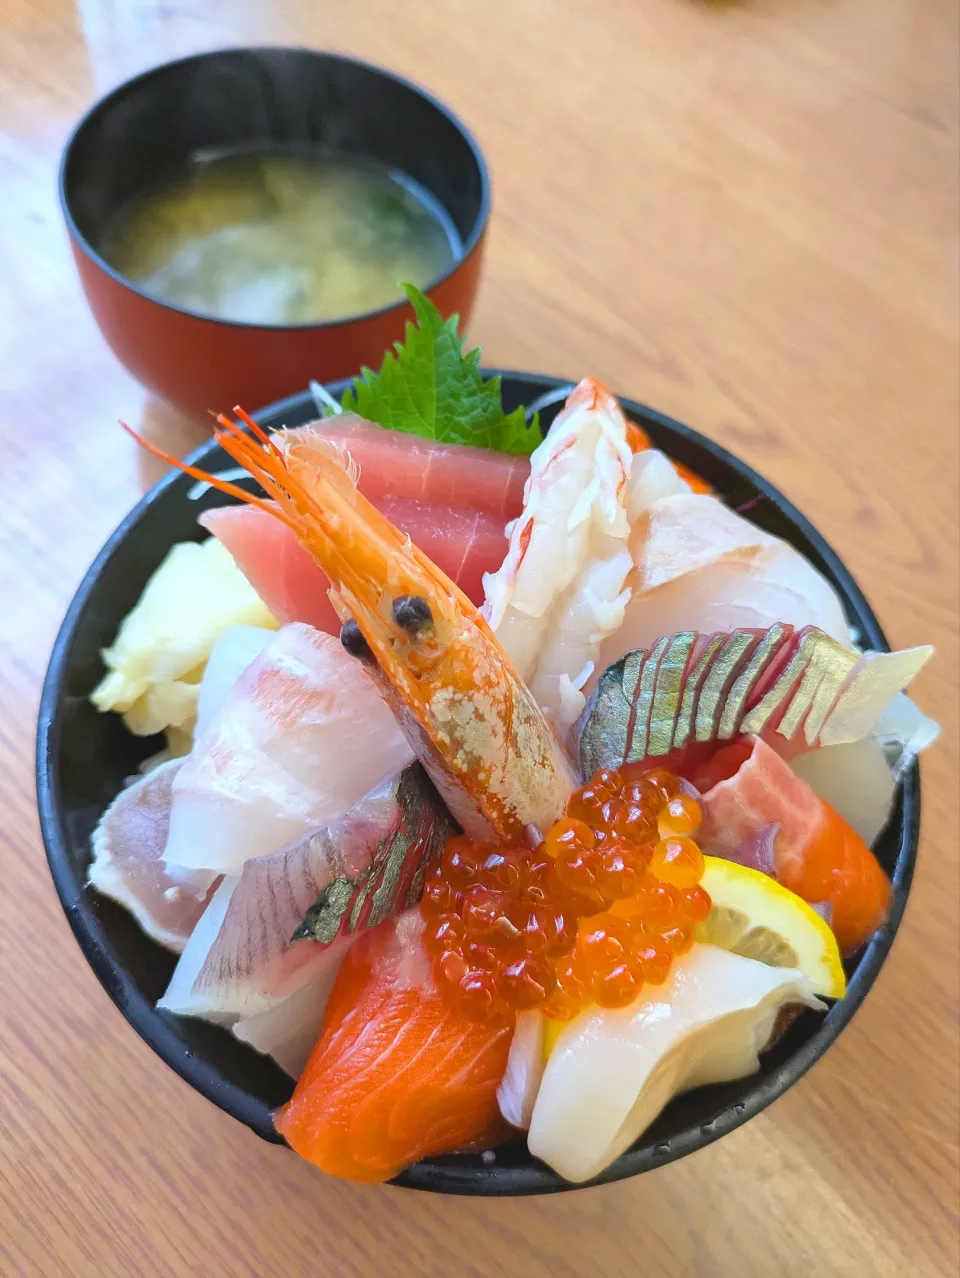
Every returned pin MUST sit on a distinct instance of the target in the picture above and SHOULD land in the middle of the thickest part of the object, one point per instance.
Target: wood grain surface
(744, 214)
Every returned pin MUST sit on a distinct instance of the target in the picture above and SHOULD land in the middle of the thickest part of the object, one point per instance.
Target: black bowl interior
(251, 99)
(83, 758)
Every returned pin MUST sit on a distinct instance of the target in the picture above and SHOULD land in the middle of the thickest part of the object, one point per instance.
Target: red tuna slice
(398, 465)
(462, 543)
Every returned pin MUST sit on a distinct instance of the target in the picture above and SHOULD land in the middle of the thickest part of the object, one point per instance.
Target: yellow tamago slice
(758, 918)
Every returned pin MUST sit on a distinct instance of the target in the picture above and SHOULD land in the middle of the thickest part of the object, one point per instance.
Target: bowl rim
(108, 99)
(437, 1174)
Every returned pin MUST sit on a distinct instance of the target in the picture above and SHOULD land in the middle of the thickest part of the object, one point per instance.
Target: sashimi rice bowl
(482, 787)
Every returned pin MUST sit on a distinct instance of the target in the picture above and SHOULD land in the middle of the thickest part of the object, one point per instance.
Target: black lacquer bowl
(83, 758)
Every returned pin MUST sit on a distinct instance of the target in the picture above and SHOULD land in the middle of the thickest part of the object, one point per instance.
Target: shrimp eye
(412, 613)
(353, 641)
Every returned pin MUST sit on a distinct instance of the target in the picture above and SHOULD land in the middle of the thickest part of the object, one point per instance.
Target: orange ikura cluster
(601, 907)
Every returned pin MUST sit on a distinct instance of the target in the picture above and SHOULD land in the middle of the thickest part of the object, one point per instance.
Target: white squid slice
(518, 1088)
(611, 1072)
(235, 650)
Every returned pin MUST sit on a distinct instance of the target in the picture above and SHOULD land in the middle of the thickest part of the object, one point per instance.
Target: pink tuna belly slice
(462, 543)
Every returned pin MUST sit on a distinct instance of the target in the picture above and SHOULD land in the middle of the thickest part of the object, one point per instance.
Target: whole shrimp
(466, 711)
(563, 585)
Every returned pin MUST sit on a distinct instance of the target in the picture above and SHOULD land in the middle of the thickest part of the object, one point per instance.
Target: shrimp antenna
(245, 451)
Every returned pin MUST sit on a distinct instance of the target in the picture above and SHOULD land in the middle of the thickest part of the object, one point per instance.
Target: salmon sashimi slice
(748, 789)
(396, 1074)
(463, 543)
(395, 464)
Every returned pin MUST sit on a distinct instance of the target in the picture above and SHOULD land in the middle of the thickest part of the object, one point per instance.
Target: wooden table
(742, 213)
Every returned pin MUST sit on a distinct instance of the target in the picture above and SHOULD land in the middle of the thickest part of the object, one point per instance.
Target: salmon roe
(597, 911)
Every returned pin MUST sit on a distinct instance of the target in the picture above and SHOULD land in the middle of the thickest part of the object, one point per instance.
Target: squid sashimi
(517, 1093)
(301, 736)
(127, 863)
(561, 588)
(463, 543)
(748, 788)
(700, 566)
(397, 1074)
(235, 651)
(612, 1071)
(797, 689)
(333, 882)
(399, 465)
(472, 721)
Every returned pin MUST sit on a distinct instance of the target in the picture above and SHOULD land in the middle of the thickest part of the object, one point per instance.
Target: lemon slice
(756, 917)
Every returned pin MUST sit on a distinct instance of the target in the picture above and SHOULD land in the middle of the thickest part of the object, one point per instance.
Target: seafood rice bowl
(499, 785)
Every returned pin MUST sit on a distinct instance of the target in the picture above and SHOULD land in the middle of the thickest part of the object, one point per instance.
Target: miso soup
(282, 239)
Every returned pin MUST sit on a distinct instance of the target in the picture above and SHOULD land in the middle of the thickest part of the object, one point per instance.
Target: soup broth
(282, 239)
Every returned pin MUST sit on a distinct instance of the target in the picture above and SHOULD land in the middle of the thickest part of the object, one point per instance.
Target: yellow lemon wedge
(758, 918)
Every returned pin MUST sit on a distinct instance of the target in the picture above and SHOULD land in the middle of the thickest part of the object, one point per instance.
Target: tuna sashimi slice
(397, 1073)
(463, 543)
(398, 465)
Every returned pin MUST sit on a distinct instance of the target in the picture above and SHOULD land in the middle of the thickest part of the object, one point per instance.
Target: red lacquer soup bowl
(241, 100)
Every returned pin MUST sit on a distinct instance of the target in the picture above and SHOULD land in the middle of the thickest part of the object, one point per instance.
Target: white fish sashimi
(731, 595)
(127, 846)
(702, 567)
(903, 730)
(179, 993)
(611, 1072)
(855, 779)
(562, 586)
(338, 879)
(235, 650)
(227, 1002)
(298, 740)
(289, 1031)
(652, 476)
(518, 1088)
